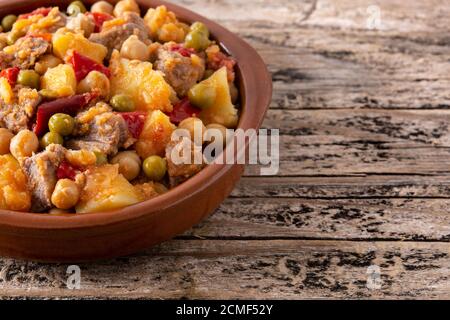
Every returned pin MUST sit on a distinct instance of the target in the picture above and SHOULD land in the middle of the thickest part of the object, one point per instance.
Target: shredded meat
(106, 133)
(113, 38)
(16, 116)
(182, 73)
(178, 173)
(41, 172)
(25, 53)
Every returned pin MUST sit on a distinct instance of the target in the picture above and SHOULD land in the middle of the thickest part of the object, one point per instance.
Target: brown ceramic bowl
(83, 237)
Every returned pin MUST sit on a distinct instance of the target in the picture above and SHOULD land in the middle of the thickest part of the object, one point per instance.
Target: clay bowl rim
(256, 94)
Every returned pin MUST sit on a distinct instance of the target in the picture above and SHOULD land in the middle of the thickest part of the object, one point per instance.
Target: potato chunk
(60, 80)
(137, 79)
(63, 43)
(105, 189)
(155, 135)
(13, 185)
(164, 25)
(222, 111)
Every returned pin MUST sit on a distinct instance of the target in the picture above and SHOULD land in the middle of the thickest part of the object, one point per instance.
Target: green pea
(155, 168)
(51, 138)
(197, 40)
(201, 27)
(62, 124)
(101, 158)
(122, 103)
(75, 8)
(202, 95)
(8, 22)
(48, 94)
(29, 78)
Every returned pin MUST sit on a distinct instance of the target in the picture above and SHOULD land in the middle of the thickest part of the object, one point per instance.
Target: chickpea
(135, 49)
(81, 22)
(5, 140)
(66, 194)
(126, 6)
(24, 144)
(46, 62)
(95, 81)
(102, 7)
(221, 128)
(129, 164)
(194, 126)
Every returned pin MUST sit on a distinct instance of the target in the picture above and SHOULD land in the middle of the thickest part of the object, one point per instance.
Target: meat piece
(181, 72)
(16, 116)
(180, 172)
(114, 37)
(24, 53)
(41, 172)
(106, 133)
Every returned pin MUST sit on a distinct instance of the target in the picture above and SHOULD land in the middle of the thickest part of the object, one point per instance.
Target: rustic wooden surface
(365, 173)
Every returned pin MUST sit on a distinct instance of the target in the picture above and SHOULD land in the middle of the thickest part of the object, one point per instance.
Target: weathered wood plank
(333, 60)
(288, 269)
(357, 219)
(349, 142)
(370, 186)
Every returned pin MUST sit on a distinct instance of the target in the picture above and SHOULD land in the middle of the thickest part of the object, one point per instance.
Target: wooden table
(364, 182)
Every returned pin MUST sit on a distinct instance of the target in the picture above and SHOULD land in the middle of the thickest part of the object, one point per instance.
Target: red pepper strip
(42, 11)
(185, 52)
(69, 106)
(182, 110)
(11, 75)
(99, 19)
(66, 171)
(83, 65)
(135, 122)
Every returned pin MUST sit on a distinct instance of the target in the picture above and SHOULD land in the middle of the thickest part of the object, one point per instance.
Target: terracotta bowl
(76, 238)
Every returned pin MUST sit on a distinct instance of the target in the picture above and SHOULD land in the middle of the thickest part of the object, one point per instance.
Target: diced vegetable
(66, 171)
(11, 75)
(155, 135)
(197, 40)
(75, 8)
(14, 194)
(122, 103)
(155, 168)
(200, 27)
(64, 42)
(8, 21)
(183, 110)
(99, 19)
(51, 138)
(105, 190)
(62, 124)
(6, 92)
(185, 52)
(222, 111)
(135, 122)
(137, 79)
(83, 65)
(202, 95)
(61, 80)
(69, 106)
(29, 78)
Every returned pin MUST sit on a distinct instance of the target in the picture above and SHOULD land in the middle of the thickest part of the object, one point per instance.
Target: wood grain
(364, 180)
(290, 269)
